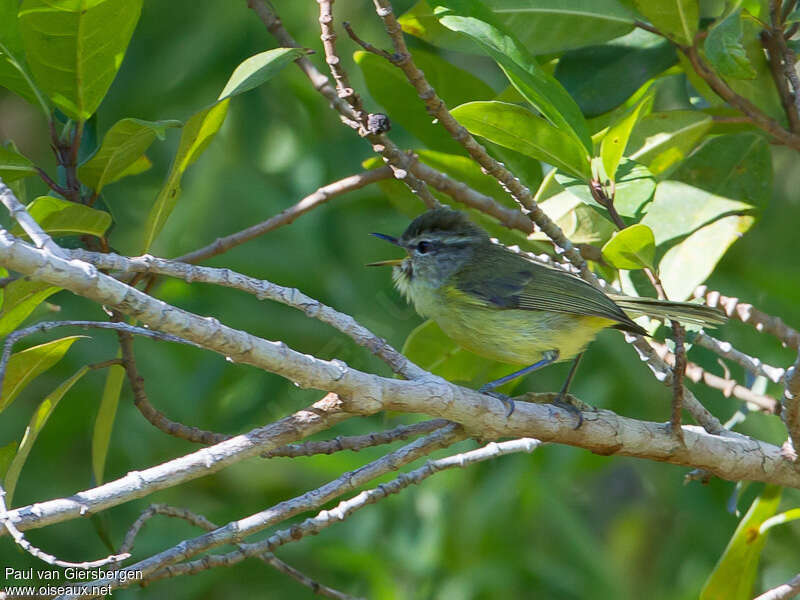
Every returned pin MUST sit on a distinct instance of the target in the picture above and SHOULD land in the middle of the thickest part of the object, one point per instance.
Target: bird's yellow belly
(519, 336)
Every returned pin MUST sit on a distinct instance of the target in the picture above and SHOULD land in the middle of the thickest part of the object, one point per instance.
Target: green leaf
(201, 128)
(14, 74)
(104, 423)
(429, 347)
(679, 209)
(389, 87)
(75, 48)
(23, 367)
(21, 297)
(14, 165)
(688, 264)
(140, 165)
(724, 48)
(466, 170)
(735, 572)
(632, 248)
(601, 78)
(7, 453)
(517, 128)
(633, 189)
(62, 217)
(541, 26)
(663, 139)
(37, 423)
(123, 145)
(614, 142)
(736, 166)
(539, 88)
(677, 19)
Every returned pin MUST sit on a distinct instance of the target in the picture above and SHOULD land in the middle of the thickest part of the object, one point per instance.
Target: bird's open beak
(387, 263)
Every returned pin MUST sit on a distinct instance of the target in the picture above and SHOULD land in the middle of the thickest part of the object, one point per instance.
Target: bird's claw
(506, 400)
(566, 402)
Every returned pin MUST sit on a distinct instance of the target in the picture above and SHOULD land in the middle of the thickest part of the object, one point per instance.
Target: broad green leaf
(140, 165)
(633, 189)
(517, 128)
(24, 366)
(388, 86)
(14, 165)
(663, 139)
(104, 423)
(75, 48)
(601, 78)
(724, 48)
(735, 572)
(428, 346)
(201, 128)
(123, 144)
(688, 264)
(735, 166)
(679, 209)
(37, 423)
(527, 169)
(677, 19)
(632, 248)
(614, 142)
(20, 299)
(14, 73)
(258, 69)
(62, 217)
(7, 453)
(538, 87)
(584, 225)
(541, 26)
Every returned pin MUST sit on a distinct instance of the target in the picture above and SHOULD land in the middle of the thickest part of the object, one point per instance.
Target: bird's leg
(565, 401)
(548, 357)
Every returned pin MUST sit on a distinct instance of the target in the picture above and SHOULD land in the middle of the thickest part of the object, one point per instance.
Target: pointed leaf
(663, 139)
(104, 423)
(258, 69)
(14, 166)
(689, 264)
(37, 423)
(14, 73)
(724, 48)
(21, 297)
(735, 573)
(538, 87)
(517, 128)
(62, 217)
(75, 47)
(677, 19)
(25, 366)
(613, 145)
(122, 146)
(632, 248)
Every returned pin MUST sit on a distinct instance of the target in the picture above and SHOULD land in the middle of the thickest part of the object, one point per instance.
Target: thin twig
(752, 364)
(24, 544)
(27, 222)
(775, 60)
(785, 591)
(286, 217)
(202, 522)
(261, 289)
(787, 57)
(791, 403)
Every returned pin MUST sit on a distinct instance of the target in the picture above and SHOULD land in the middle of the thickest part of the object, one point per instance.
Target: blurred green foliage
(561, 523)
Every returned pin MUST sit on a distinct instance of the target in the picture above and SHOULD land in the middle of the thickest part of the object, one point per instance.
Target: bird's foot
(573, 406)
(506, 400)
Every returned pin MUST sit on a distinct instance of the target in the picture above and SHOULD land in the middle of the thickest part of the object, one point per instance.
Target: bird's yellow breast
(512, 336)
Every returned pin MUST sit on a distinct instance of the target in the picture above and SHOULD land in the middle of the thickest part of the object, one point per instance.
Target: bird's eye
(424, 246)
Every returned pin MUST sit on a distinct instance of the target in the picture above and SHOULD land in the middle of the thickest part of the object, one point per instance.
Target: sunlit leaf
(724, 48)
(75, 47)
(14, 165)
(20, 299)
(663, 139)
(688, 264)
(104, 423)
(735, 572)
(62, 217)
(632, 248)
(677, 19)
(517, 128)
(538, 87)
(23, 367)
(615, 141)
(37, 423)
(123, 145)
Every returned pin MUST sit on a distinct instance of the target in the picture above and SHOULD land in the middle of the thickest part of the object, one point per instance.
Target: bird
(506, 306)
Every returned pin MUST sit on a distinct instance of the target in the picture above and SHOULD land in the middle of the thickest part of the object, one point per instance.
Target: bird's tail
(685, 312)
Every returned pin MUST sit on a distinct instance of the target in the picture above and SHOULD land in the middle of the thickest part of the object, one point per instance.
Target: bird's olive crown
(442, 224)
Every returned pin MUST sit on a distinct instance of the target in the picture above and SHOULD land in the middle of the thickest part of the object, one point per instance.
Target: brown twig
(769, 39)
(791, 403)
